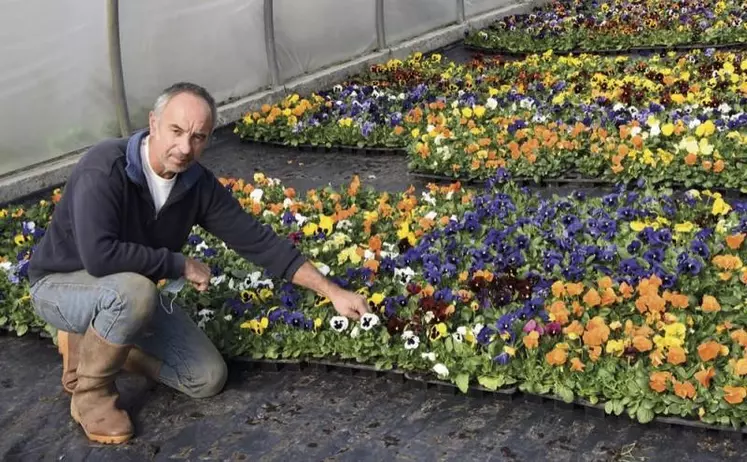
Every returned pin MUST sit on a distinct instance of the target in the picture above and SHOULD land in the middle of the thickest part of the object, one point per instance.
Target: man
(127, 210)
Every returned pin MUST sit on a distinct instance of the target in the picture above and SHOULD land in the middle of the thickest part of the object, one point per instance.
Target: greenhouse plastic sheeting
(55, 85)
(475, 7)
(218, 44)
(311, 35)
(407, 19)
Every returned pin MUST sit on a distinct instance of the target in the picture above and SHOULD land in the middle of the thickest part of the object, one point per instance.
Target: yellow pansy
(479, 111)
(707, 128)
(466, 113)
(326, 223)
(309, 229)
(376, 298)
(720, 207)
(615, 347)
(667, 129)
(685, 227)
(19, 239)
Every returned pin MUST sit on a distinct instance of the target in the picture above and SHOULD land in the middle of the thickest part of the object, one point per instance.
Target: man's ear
(152, 122)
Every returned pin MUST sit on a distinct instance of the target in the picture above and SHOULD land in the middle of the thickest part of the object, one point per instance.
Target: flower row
(634, 299)
(568, 25)
(668, 118)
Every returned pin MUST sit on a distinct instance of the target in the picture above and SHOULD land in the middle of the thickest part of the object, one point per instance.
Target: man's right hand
(197, 273)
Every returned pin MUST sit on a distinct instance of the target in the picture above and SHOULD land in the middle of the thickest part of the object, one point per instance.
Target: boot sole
(103, 439)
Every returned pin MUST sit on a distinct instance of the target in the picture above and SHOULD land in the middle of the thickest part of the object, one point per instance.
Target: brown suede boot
(138, 362)
(93, 404)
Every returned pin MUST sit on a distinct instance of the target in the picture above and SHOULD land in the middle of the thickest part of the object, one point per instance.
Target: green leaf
(22, 329)
(609, 407)
(644, 415)
(491, 383)
(565, 393)
(3, 320)
(462, 381)
(618, 407)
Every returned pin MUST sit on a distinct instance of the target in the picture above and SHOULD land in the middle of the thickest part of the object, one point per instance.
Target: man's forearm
(310, 277)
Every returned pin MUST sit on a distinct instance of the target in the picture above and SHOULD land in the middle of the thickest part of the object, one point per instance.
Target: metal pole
(115, 65)
(380, 30)
(272, 58)
(460, 11)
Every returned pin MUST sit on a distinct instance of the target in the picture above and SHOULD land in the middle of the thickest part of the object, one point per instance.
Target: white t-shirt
(160, 187)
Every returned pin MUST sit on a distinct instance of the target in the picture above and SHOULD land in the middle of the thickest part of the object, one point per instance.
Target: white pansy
(725, 108)
(655, 130)
(491, 104)
(218, 280)
(339, 323)
(444, 152)
(324, 269)
(287, 202)
(267, 214)
(344, 225)
(526, 103)
(411, 341)
(300, 219)
(477, 329)
(368, 255)
(635, 131)
(369, 320)
(431, 215)
(694, 123)
(449, 195)
(201, 246)
(618, 107)
(256, 195)
(459, 338)
(430, 128)
(461, 330)
(402, 96)
(6, 266)
(403, 275)
(441, 370)
(228, 317)
(430, 356)
(428, 317)
(427, 198)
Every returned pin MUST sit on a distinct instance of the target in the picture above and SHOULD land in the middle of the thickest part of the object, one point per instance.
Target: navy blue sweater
(106, 223)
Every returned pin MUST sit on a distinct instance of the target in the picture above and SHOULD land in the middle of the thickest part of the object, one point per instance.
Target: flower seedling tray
(611, 52)
(366, 150)
(571, 181)
(269, 365)
(428, 381)
(354, 368)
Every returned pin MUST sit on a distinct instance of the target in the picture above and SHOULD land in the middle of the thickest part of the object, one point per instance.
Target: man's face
(179, 135)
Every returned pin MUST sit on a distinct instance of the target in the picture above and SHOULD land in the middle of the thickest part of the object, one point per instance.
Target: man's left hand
(349, 304)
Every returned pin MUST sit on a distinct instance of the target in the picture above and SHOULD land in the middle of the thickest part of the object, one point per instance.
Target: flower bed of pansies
(672, 119)
(573, 25)
(635, 300)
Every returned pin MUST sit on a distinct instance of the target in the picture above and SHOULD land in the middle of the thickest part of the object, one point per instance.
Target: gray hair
(186, 87)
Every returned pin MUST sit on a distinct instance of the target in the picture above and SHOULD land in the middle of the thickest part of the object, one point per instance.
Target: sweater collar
(134, 165)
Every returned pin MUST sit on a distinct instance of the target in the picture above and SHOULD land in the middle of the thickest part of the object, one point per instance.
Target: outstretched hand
(349, 304)
(197, 273)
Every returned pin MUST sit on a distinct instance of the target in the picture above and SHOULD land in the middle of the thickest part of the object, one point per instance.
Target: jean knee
(138, 298)
(208, 378)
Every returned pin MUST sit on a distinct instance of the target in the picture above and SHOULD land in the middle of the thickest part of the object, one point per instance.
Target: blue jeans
(128, 309)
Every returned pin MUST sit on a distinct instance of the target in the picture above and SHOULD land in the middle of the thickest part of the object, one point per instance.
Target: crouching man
(127, 210)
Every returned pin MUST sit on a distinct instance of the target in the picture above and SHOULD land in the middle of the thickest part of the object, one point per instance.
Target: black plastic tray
(611, 52)
(331, 149)
(427, 381)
